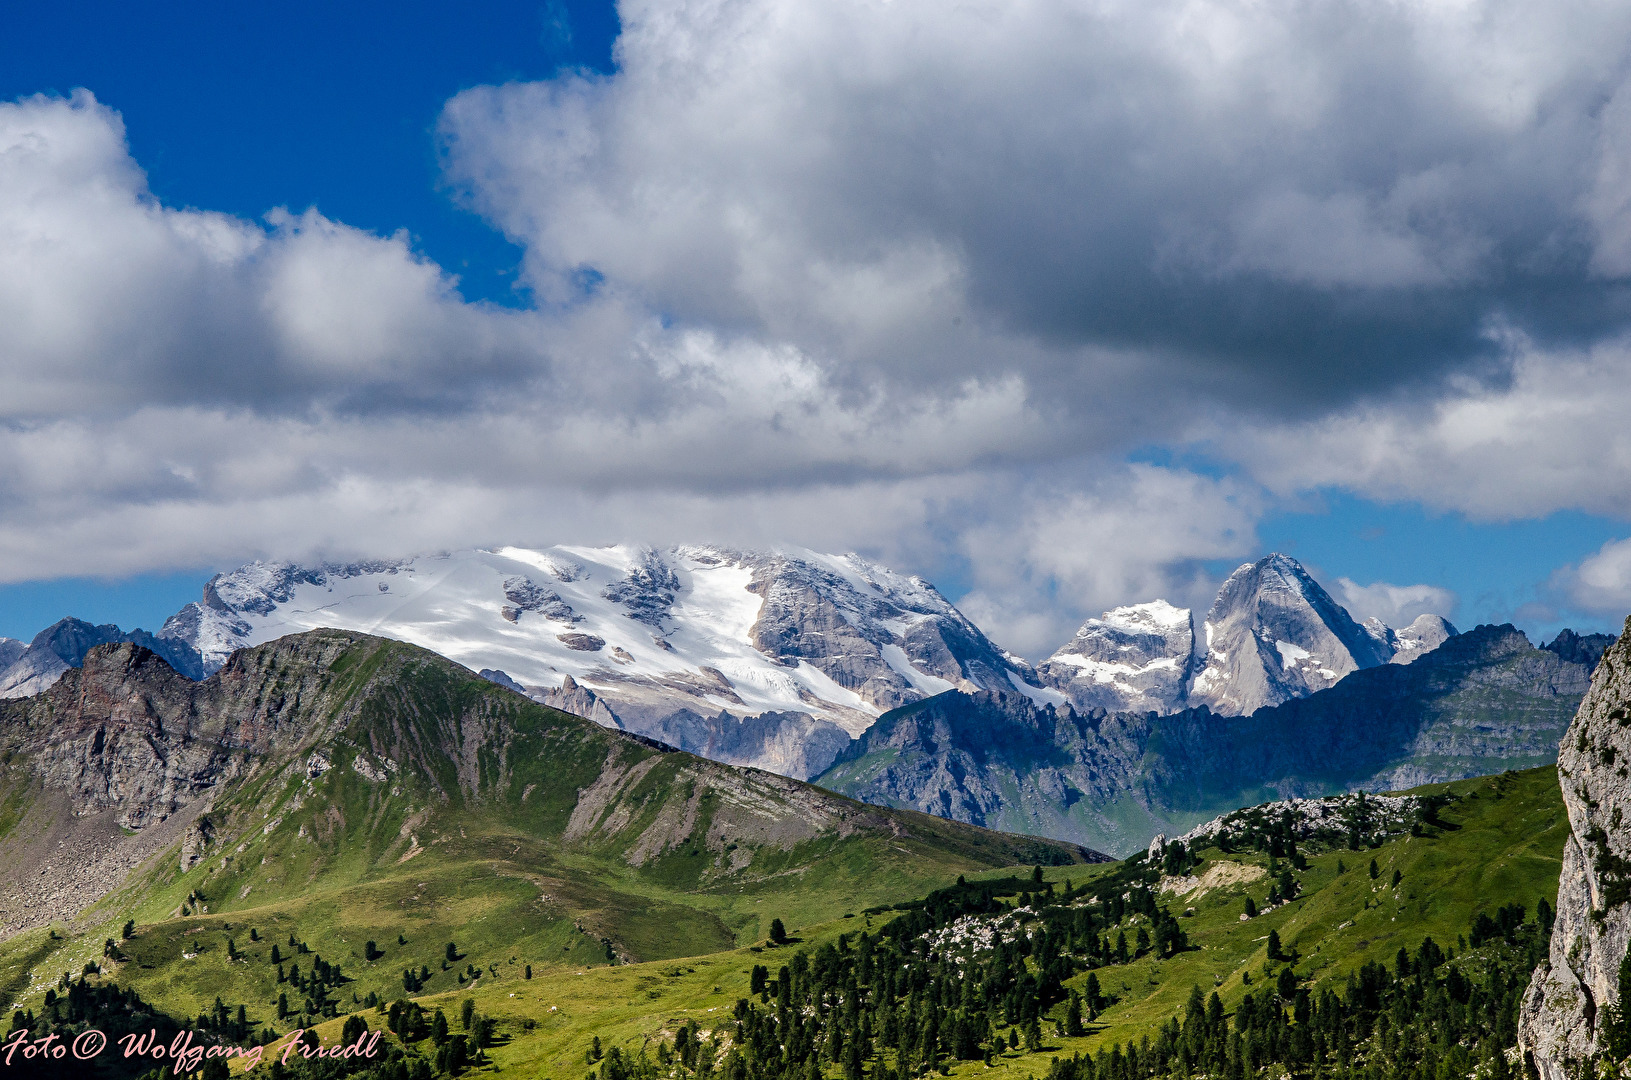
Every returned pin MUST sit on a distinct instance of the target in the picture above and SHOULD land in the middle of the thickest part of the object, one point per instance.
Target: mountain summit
(1272, 634)
(772, 659)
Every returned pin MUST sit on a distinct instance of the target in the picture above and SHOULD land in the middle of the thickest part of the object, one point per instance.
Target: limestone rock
(1558, 1024)
(194, 841)
(1132, 659)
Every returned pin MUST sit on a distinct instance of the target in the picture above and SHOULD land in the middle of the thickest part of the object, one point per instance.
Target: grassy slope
(1506, 849)
(493, 874)
(475, 851)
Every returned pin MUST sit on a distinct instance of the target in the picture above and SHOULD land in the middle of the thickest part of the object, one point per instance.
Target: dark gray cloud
(1292, 205)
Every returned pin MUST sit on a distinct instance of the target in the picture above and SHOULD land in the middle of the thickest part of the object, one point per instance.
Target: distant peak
(1156, 615)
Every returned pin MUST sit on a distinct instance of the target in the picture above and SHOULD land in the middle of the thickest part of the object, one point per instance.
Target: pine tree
(1616, 1036)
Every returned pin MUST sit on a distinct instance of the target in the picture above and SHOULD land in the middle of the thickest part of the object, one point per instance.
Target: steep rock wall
(1563, 1010)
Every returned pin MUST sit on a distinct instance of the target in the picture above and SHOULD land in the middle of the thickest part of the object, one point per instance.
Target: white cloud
(1289, 203)
(1396, 605)
(1135, 534)
(1601, 583)
(1552, 437)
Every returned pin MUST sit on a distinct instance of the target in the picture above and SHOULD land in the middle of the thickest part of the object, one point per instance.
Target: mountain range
(28, 669)
(1483, 702)
(327, 758)
(834, 668)
(772, 659)
(1272, 634)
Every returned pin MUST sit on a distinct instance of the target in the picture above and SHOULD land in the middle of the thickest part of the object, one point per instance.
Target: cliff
(1562, 1020)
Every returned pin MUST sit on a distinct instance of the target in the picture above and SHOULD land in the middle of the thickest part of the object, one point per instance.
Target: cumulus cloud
(1600, 584)
(1551, 437)
(1290, 203)
(1133, 535)
(110, 301)
(1395, 605)
(907, 277)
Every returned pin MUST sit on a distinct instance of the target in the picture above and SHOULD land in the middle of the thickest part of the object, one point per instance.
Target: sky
(1062, 306)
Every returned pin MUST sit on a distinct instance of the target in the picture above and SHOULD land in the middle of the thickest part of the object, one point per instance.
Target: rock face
(126, 732)
(1484, 701)
(1580, 648)
(1562, 1011)
(1423, 635)
(1133, 659)
(1272, 634)
(771, 659)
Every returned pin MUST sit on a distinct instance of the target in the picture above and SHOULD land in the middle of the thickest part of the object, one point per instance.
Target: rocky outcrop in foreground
(1565, 1009)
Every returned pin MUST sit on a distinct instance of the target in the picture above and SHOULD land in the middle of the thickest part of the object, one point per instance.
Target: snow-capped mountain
(1132, 659)
(773, 659)
(1272, 634)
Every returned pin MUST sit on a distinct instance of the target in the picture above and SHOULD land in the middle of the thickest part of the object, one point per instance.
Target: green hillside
(366, 790)
(1486, 844)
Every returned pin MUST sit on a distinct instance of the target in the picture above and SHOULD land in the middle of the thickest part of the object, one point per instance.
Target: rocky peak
(64, 645)
(887, 638)
(1576, 648)
(1561, 1020)
(1274, 634)
(126, 731)
(1133, 659)
(1423, 635)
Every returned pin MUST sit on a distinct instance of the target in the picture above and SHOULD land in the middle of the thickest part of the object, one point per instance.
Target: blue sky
(244, 107)
(824, 275)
